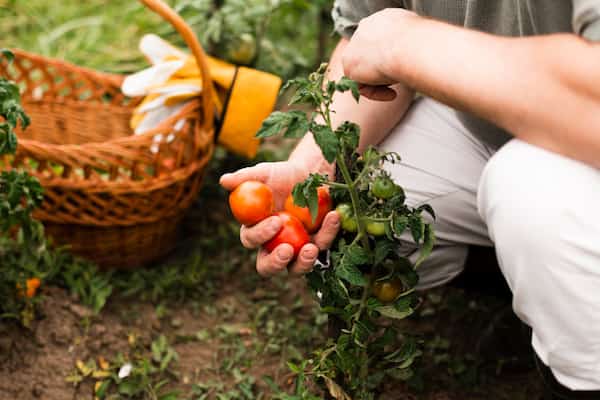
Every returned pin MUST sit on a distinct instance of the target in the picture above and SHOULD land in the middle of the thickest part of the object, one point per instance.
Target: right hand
(281, 178)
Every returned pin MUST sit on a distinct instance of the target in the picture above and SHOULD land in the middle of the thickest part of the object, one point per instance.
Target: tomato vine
(365, 346)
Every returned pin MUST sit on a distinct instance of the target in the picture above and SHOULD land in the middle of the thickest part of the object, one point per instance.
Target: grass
(98, 34)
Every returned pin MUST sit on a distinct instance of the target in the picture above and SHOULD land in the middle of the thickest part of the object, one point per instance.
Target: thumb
(259, 172)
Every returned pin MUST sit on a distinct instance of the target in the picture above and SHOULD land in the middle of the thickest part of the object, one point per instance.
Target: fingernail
(283, 254)
(308, 254)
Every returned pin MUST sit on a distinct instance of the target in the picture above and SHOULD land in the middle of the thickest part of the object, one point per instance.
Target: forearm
(376, 119)
(543, 89)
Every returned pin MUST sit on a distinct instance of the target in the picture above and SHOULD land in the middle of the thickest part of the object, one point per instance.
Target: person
(495, 108)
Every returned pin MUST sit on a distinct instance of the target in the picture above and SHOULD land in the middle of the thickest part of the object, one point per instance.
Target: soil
(245, 328)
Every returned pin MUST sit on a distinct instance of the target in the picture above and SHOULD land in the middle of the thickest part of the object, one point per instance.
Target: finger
(378, 93)
(255, 236)
(305, 261)
(329, 230)
(269, 264)
(259, 172)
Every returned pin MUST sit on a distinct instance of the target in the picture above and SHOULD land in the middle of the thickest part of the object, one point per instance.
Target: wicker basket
(109, 194)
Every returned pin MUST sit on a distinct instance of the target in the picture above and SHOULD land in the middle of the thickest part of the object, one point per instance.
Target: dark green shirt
(500, 17)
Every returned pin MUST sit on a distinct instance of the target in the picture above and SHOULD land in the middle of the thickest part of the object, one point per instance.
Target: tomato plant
(388, 290)
(384, 188)
(367, 280)
(262, 33)
(251, 202)
(292, 233)
(311, 223)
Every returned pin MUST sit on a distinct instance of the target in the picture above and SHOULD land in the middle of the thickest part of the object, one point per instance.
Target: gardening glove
(245, 96)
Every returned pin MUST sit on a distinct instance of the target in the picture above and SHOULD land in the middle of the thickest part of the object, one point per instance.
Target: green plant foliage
(24, 251)
(366, 348)
(262, 33)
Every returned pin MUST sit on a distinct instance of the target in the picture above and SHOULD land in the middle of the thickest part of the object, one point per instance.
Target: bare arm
(376, 119)
(544, 90)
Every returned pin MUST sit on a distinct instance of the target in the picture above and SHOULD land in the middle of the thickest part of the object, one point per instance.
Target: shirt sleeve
(586, 18)
(348, 13)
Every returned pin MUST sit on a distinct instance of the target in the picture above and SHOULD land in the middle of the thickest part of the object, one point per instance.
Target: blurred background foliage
(104, 35)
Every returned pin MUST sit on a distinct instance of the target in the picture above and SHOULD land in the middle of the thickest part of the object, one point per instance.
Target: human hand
(368, 54)
(281, 178)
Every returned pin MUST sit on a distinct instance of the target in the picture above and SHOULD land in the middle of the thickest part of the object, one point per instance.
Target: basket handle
(162, 9)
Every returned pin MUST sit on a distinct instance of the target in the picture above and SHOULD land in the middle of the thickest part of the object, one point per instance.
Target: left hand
(371, 50)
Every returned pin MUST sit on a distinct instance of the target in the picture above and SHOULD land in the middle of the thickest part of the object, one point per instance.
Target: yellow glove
(245, 96)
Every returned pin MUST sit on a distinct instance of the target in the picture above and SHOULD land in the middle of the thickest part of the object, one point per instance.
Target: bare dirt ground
(237, 328)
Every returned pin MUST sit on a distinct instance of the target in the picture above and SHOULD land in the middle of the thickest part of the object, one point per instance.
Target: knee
(527, 194)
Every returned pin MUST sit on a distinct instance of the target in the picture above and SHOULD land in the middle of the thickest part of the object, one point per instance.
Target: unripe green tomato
(384, 188)
(387, 291)
(376, 228)
(242, 50)
(347, 217)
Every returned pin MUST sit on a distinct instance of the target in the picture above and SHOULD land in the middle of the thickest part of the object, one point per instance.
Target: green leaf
(7, 55)
(293, 124)
(394, 313)
(298, 125)
(428, 209)
(382, 249)
(417, 227)
(351, 274)
(349, 134)
(346, 84)
(361, 334)
(428, 243)
(305, 193)
(356, 255)
(399, 224)
(327, 141)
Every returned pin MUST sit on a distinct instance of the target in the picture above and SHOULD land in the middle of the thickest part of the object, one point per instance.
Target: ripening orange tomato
(251, 202)
(32, 286)
(292, 233)
(303, 213)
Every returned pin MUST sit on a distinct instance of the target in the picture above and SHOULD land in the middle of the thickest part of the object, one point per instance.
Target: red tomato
(303, 213)
(292, 233)
(251, 202)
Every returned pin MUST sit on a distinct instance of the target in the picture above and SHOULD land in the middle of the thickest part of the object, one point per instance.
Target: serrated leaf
(428, 209)
(293, 124)
(271, 126)
(399, 224)
(417, 227)
(428, 244)
(392, 312)
(297, 126)
(382, 249)
(346, 84)
(326, 140)
(351, 274)
(349, 134)
(356, 255)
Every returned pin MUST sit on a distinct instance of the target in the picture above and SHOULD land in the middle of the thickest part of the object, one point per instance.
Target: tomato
(303, 213)
(384, 188)
(346, 212)
(387, 291)
(242, 50)
(292, 233)
(376, 228)
(251, 202)
(32, 286)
